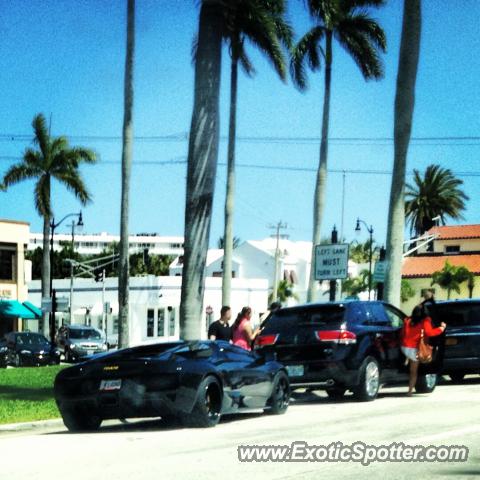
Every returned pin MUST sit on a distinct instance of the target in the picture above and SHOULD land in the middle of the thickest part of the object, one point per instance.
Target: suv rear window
(457, 314)
(292, 318)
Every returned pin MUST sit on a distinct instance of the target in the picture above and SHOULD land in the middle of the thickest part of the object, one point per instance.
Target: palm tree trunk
(202, 166)
(230, 194)
(404, 104)
(44, 327)
(319, 199)
(123, 276)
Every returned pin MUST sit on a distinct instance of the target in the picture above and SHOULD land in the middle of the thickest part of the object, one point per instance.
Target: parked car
(461, 354)
(3, 353)
(77, 342)
(196, 382)
(352, 345)
(29, 349)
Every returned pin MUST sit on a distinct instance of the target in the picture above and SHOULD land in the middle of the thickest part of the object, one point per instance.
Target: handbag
(425, 351)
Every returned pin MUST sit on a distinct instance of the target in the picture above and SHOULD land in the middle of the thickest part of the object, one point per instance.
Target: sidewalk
(31, 426)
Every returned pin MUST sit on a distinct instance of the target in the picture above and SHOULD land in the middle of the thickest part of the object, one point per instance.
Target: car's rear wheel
(77, 421)
(207, 409)
(17, 360)
(457, 377)
(367, 390)
(336, 393)
(426, 383)
(280, 398)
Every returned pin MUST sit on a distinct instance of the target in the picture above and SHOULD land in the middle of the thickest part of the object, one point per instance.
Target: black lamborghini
(194, 382)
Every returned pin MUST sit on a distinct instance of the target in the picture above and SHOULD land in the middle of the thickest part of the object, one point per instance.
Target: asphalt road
(149, 450)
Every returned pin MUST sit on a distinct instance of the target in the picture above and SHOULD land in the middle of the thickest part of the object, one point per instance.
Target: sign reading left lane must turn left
(331, 261)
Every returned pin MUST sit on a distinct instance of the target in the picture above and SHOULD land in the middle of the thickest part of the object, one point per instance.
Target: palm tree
(221, 242)
(363, 39)
(451, 277)
(127, 137)
(262, 23)
(202, 165)
(437, 194)
(404, 103)
(54, 159)
(360, 252)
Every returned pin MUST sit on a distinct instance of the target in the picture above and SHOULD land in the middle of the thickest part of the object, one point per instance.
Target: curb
(25, 426)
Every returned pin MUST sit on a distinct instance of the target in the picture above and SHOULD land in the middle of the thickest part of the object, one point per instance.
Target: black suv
(462, 336)
(337, 347)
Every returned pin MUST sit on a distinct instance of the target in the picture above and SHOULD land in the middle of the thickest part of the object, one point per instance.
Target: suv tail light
(343, 337)
(264, 340)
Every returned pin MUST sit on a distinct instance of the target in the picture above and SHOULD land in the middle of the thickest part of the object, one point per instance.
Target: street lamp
(53, 226)
(370, 231)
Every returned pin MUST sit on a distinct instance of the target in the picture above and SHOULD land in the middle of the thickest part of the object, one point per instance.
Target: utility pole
(343, 205)
(279, 226)
(103, 300)
(333, 283)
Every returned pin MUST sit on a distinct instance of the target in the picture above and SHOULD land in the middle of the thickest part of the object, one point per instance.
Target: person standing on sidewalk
(221, 330)
(411, 334)
(243, 334)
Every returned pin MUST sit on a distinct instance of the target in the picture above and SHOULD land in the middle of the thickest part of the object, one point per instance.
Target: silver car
(79, 341)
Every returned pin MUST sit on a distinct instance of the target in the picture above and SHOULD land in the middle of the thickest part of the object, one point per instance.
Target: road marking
(443, 435)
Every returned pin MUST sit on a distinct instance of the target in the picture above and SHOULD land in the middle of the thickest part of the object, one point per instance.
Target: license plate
(295, 370)
(109, 385)
(451, 341)
(90, 352)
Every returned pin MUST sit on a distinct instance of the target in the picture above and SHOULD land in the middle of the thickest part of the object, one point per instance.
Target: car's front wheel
(280, 398)
(426, 383)
(367, 390)
(77, 421)
(17, 360)
(207, 409)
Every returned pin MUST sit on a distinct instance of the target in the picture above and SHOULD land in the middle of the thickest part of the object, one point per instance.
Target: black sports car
(29, 349)
(195, 382)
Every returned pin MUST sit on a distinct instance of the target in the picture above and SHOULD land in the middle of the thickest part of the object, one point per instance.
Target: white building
(256, 259)
(93, 244)
(154, 304)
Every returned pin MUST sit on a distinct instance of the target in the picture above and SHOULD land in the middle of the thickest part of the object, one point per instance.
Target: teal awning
(36, 311)
(14, 309)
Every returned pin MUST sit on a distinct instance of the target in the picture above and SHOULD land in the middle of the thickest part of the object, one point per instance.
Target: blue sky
(66, 59)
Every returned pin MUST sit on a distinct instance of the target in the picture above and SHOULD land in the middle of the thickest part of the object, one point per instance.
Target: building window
(171, 321)
(161, 323)
(7, 264)
(452, 249)
(150, 322)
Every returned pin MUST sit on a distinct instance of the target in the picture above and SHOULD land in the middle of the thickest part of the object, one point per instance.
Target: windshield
(31, 339)
(85, 333)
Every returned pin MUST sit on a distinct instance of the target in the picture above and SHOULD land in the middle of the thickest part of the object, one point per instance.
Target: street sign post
(331, 261)
(379, 272)
(46, 305)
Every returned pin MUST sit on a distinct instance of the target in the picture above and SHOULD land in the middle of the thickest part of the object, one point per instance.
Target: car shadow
(25, 393)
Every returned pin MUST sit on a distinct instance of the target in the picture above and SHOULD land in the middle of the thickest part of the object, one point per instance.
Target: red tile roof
(456, 231)
(425, 266)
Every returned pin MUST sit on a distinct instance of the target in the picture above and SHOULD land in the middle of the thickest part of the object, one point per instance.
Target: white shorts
(411, 353)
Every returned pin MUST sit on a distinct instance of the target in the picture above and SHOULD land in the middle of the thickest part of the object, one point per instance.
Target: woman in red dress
(243, 334)
(411, 333)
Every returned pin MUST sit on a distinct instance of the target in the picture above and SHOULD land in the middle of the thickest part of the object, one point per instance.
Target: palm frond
(72, 180)
(18, 173)
(307, 50)
(41, 137)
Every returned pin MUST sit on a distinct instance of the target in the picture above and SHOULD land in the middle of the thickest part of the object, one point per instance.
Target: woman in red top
(243, 334)
(411, 333)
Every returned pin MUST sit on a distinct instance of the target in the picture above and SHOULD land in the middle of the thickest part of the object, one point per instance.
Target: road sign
(331, 261)
(46, 304)
(62, 304)
(379, 272)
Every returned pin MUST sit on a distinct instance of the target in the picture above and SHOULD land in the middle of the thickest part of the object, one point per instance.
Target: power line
(183, 137)
(284, 168)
